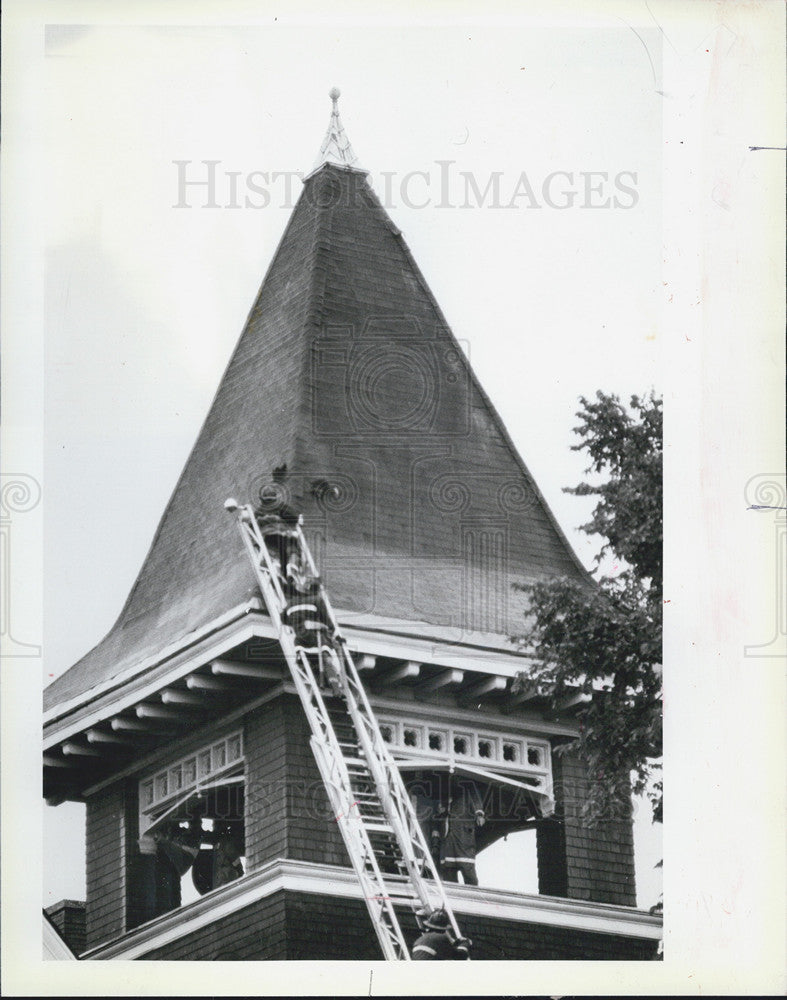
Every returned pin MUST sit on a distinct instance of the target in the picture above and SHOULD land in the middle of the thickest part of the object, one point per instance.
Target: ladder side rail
(339, 791)
(304, 545)
(337, 782)
(390, 772)
(372, 884)
(386, 781)
(273, 595)
(255, 543)
(338, 785)
(393, 794)
(405, 821)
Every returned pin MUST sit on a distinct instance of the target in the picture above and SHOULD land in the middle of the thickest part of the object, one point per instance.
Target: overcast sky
(553, 283)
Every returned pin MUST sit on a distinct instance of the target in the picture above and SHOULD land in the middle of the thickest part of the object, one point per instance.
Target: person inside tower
(227, 865)
(167, 855)
(438, 942)
(307, 615)
(457, 823)
(180, 845)
(277, 520)
(423, 797)
(219, 864)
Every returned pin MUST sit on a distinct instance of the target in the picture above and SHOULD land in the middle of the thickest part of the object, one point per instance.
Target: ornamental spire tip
(335, 146)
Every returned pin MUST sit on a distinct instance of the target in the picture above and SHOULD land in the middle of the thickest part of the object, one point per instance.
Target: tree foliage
(602, 639)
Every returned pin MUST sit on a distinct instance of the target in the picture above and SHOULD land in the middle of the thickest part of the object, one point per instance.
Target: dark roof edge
(79, 903)
(219, 386)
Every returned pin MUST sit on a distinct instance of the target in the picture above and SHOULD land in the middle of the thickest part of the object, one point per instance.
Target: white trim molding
(173, 649)
(71, 719)
(229, 636)
(189, 652)
(189, 773)
(331, 880)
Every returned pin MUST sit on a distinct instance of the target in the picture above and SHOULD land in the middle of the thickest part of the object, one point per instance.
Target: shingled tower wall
(289, 817)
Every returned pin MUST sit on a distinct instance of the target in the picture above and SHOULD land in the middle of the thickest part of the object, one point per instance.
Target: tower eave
(331, 164)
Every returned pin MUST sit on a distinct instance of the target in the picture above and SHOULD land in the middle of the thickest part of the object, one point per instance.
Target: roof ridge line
(313, 322)
(197, 440)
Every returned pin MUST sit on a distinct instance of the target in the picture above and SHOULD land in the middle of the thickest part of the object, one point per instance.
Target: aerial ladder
(378, 822)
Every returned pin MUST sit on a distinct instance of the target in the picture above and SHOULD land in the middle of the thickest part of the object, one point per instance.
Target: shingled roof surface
(416, 502)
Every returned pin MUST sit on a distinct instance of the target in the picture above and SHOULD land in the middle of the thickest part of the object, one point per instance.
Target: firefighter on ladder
(305, 610)
(277, 520)
(438, 943)
(307, 615)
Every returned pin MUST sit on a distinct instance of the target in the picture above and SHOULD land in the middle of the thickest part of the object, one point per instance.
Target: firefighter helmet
(437, 921)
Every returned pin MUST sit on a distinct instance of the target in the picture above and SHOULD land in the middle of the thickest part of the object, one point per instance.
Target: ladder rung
(396, 894)
(378, 828)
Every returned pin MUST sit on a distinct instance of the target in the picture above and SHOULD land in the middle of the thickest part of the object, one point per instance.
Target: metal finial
(336, 146)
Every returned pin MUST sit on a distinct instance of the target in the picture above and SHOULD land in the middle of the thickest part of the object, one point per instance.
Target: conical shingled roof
(418, 506)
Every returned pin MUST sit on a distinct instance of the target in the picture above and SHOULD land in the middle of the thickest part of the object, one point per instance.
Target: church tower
(420, 515)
